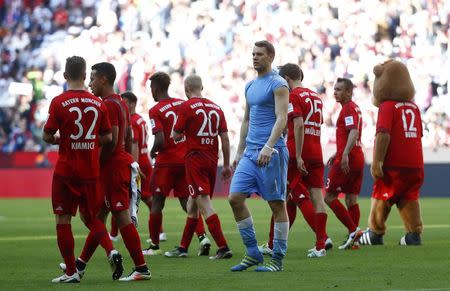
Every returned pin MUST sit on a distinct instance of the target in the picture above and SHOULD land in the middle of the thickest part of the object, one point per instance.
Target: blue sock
(248, 235)
(280, 238)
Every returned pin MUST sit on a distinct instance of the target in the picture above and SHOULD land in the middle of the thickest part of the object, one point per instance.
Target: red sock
(97, 235)
(200, 229)
(215, 229)
(66, 246)
(270, 242)
(155, 227)
(321, 230)
(354, 213)
(114, 230)
(188, 232)
(291, 212)
(132, 241)
(342, 214)
(307, 209)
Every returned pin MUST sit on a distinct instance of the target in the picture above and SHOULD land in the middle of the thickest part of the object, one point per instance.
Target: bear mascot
(397, 166)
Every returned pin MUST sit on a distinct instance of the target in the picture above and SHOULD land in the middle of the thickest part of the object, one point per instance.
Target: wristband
(272, 149)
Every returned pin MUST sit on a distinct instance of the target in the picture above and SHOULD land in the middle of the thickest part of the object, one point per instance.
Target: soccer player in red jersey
(202, 123)
(347, 164)
(83, 125)
(305, 170)
(139, 152)
(169, 172)
(397, 169)
(118, 171)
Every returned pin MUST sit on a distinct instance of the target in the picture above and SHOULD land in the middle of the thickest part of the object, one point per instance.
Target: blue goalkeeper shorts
(269, 182)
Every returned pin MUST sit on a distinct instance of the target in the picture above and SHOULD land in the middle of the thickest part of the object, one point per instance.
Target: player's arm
(50, 138)
(299, 135)
(108, 148)
(351, 141)
(281, 95)
(242, 136)
(105, 139)
(158, 144)
(226, 170)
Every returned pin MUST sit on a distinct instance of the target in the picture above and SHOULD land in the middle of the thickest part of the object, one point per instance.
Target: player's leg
(320, 222)
(351, 201)
(114, 232)
(64, 206)
(214, 226)
(200, 229)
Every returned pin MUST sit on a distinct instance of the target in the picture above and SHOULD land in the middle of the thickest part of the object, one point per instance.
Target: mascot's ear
(378, 70)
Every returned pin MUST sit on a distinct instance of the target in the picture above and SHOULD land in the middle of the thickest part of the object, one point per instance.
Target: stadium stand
(214, 39)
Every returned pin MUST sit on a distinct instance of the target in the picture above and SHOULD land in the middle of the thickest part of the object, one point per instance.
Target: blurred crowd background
(214, 38)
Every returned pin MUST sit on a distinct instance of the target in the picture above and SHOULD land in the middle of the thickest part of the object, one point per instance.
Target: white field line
(53, 237)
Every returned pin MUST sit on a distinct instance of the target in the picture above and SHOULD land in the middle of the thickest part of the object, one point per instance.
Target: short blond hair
(193, 82)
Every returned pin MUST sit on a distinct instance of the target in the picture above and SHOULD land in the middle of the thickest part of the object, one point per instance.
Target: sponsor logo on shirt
(348, 120)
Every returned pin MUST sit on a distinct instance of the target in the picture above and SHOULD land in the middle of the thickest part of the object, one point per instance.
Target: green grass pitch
(29, 254)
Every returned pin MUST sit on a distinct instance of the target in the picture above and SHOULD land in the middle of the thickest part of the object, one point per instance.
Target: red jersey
(349, 118)
(305, 103)
(140, 135)
(403, 122)
(163, 117)
(202, 121)
(118, 116)
(80, 118)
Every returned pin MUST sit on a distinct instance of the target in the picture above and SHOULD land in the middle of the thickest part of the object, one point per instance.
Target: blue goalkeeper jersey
(261, 103)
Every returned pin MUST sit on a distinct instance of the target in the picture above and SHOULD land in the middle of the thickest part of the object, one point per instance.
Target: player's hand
(236, 161)
(226, 173)
(264, 156)
(141, 174)
(301, 166)
(344, 164)
(331, 160)
(376, 169)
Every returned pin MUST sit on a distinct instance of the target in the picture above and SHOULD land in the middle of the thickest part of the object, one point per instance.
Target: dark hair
(348, 83)
(269, 47)
(129, 96)
(161, 79)
(293, 71)
(75, 68)
(107, 70)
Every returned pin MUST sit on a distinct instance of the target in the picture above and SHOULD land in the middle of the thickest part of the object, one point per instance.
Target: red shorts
(201, 173)
(398, 184)
(68, 195)
(296, 184)
(115, 178)
(145, 183)
(338, 182)
(164, 179)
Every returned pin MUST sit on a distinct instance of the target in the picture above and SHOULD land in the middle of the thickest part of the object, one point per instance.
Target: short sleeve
(278, 82)
(105, 125)
(385, 117)
(52, 123)
(155, 121)
(180, 123)
(294, 107)
(351, 118)
(223, 122)
(136, 131)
